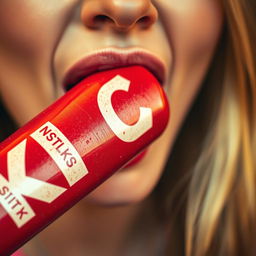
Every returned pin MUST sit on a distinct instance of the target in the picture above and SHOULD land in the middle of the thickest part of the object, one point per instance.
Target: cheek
(197, 36)
(29, 32)
(193, 28)
(30, 28)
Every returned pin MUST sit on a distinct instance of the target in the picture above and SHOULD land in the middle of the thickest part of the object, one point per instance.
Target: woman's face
(41, 40)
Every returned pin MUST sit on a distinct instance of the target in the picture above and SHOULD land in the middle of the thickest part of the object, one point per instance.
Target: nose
(121, 15)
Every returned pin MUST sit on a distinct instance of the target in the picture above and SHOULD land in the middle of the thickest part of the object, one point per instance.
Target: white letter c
(127, 133)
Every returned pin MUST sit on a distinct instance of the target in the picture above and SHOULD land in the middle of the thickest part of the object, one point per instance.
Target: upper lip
(114, 58)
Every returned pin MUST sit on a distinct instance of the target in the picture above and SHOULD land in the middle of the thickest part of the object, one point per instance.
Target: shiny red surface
(77, 115)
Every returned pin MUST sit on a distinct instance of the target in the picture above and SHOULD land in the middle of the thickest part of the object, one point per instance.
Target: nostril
(101, 19)
(144, 19)
(98, 20)
(144, 22)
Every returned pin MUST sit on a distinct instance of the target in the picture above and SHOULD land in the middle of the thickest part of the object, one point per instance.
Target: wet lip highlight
(113, 58)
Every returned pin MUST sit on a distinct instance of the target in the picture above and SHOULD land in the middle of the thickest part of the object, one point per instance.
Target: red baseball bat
(52, 162)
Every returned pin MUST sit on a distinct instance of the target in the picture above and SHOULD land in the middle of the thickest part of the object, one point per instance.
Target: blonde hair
(220, 213)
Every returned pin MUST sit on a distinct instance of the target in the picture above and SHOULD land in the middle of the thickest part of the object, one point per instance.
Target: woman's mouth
(111, 58)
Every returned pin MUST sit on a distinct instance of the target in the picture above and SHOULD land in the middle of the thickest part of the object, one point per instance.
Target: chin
(128, 186)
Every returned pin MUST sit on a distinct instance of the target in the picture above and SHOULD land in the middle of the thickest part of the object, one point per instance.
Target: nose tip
(122, 15)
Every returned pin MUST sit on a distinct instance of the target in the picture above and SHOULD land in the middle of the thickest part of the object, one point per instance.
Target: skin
(40, 40)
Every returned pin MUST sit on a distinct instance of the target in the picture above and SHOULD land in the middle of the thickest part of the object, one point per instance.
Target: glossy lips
(113, 58)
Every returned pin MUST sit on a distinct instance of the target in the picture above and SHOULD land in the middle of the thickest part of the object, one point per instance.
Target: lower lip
(136, 159)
